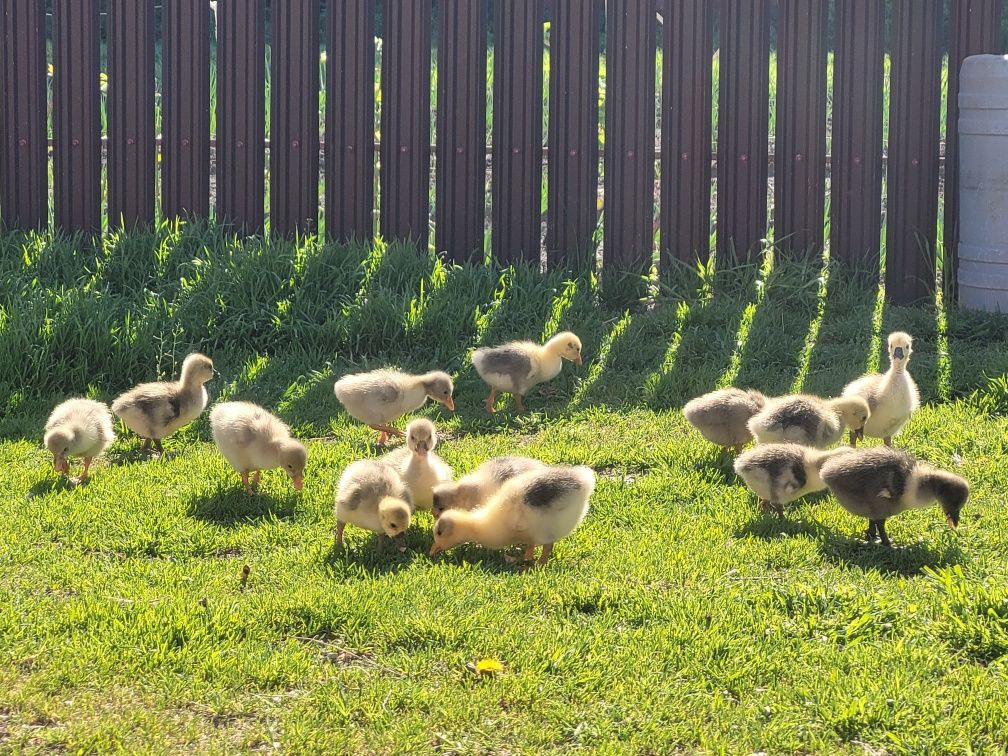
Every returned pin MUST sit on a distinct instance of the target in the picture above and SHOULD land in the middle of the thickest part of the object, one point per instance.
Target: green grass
(676, 617)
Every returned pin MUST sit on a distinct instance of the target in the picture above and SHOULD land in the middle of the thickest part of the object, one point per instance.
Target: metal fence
(642, 143)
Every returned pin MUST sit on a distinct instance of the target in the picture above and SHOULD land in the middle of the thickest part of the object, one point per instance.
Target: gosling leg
(87, 465)
(853, 439)
(491, 401)
(547, 549)
(519, 403)
(338, 539)
(883, 536)
(245, 482)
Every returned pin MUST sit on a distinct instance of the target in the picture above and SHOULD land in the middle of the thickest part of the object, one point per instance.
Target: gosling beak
(859, 433)
(60, 465)
(898, 353)
(298, 483)
(578, 360)
(435, 550)
(422, 449)
(450, 403)
(953, 522)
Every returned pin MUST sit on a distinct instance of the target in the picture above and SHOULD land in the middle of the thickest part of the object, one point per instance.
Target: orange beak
(60, 465)
(422, 449)
(298, 483)
(577, 360)
(435, 550)
(450, 403)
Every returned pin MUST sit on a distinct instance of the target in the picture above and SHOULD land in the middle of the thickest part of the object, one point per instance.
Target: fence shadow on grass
(848, 333)
(707, 338)
(776, 338)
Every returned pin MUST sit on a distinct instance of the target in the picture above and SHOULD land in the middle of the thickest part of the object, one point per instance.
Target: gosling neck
(897, 366)
(553, 347)
(188, 379)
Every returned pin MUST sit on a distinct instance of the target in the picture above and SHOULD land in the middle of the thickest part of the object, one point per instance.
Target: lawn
(676, 617)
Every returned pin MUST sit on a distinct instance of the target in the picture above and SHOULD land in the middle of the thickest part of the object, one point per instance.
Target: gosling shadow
(374, 555)
(852, 550)
(232, 506)
(53, 484)
(486, 560)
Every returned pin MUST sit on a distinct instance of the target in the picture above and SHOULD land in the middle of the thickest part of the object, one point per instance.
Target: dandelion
(485, 667)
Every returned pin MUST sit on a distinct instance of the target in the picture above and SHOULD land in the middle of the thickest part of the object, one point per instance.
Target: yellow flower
(487, 667)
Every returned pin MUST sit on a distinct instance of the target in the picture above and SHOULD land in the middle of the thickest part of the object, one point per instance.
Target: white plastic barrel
(983, 183)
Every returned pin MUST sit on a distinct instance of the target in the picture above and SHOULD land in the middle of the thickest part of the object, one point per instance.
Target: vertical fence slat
(688, 32)
(856, 151)
(461, 127)
(294, 121)
(241, 113)
(76, 116)
(405, 125)
(516, 174)
(743, 113)
(24, 174)
(573, 140)
(630, 135)
(185, 99)
(912, 184)
(800, 137)
(349, 152)
(130, 113)
(975, 27)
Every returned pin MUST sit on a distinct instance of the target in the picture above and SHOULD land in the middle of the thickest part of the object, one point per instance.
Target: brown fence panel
(76, 116)
(460, 183)
(349, 153)
(241, 113)
(687, 33)
(405, 124)
(628, 234)
(573, 140)
(516, 174)
(856, 152)
(185, 99)
(743, 112)
(912, 183)
(975, 26)
(131, 146)
(24, 182)
(800, 138)
(294, 120)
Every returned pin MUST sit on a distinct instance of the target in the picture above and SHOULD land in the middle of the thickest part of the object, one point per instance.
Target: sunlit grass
(127, 624)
